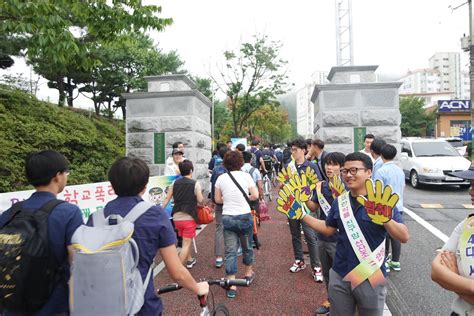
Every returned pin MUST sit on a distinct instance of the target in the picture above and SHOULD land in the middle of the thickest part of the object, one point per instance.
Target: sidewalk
(275, 291)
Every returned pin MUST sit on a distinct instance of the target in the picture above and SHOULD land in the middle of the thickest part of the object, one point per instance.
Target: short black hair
(370, 136)
(222, 151)
(229, 141)
(240, 147)
(247, 156)
(335, 158)
(274, 146)
(129, 176)
(308, 141)
(376, 145)
(319, 143)
(388, 152)
(255, 142)
(185, 167)
(358, 156)
(299, 143)
(41, 167)
(176, 144)
(220, 145)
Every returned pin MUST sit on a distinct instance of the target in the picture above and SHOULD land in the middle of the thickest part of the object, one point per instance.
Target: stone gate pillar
(354, 103)
(172, 110)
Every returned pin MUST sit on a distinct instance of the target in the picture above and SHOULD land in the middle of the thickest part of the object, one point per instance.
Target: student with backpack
(152, 231)
(31, 285)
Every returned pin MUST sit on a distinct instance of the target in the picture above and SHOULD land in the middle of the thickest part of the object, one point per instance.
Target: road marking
(468, 206)
(435, 231)
(161, 265)
(431, 205)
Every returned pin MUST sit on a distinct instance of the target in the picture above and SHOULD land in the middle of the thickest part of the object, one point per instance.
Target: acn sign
(454, 105)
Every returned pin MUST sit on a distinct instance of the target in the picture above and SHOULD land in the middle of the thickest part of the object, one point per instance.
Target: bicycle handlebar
(224, 283)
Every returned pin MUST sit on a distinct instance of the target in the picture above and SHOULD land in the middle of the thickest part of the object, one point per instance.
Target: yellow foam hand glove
(380, 201)
(337, 186)
(285, 175)
(299, 183)
(289, 204)
(311, 176)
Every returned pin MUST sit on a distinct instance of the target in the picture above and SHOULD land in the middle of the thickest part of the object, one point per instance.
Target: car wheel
(465, 186)
(414, 181)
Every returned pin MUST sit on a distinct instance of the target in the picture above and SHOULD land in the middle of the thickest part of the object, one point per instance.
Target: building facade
(304, 106)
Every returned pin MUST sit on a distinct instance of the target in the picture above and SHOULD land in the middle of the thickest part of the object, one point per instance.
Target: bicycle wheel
(220, 310)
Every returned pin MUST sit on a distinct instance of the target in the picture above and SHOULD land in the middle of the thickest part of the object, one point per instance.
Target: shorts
(186, 229)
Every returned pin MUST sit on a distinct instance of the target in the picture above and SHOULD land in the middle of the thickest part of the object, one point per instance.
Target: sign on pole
(159, 148)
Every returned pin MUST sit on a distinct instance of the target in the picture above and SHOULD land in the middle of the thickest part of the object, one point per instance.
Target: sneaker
(323, 309)
(190, 264)
(387, 266)
(394, 265)
(239, 252)
(297, 266)
(219, 262)
(318, 275)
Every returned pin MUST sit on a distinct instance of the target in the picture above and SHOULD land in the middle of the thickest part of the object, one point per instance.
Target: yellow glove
(289, 204)
(337, 186)
(285, 175)
(299, 183)
(311, 176)
(379, 202)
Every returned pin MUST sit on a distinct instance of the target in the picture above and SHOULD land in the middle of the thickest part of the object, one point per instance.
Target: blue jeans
(237, 227)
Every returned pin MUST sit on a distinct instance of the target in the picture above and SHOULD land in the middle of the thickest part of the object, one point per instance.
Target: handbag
(205, 215)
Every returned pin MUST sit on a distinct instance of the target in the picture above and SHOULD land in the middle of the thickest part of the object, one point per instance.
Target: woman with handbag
(234, 190)
(187, 194)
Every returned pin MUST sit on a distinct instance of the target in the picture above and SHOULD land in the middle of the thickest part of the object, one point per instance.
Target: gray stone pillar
(353, 99)
(172, 110)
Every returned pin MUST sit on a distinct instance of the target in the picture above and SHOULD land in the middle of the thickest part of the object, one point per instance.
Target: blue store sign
(450, 106)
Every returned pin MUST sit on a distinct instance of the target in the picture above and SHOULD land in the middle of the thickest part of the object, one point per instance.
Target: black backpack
(28, 270)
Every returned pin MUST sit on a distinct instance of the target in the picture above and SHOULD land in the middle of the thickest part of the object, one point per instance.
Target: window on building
(445, 66)
(446, 59)
(446, 89)
(445, 73)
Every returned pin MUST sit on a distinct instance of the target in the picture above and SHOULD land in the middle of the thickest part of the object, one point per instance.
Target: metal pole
(471, 58)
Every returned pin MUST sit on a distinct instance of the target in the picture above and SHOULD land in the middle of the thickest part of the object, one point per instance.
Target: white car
(430, 161)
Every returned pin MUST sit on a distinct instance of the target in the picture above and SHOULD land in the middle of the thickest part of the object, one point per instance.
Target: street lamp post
(471, 61)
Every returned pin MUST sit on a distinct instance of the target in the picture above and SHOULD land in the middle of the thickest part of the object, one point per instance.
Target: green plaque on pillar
(159, 148)
(359, 134)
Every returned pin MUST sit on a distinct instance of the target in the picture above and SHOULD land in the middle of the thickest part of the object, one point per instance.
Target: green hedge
(89, 142)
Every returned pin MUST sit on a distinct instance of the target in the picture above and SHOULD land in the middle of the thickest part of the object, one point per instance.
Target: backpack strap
(50, 205)
(98, 218)
(138, 210)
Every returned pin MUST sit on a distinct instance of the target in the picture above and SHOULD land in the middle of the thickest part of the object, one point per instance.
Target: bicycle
(206, 308)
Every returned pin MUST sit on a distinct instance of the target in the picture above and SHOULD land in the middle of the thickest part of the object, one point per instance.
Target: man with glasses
(368, 298)
(299, 164)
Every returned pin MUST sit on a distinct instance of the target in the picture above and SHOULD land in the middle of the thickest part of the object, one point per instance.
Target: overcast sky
(397, 35)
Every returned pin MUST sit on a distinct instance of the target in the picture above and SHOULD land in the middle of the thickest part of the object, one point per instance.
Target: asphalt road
(411, 291)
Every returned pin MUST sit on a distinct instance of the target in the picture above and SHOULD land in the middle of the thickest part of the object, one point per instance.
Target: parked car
(457, 143)
(429, 161)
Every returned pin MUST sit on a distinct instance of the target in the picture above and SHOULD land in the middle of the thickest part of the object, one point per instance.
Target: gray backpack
(105, 279)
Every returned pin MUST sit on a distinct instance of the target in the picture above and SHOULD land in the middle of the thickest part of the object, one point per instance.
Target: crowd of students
(236, 188)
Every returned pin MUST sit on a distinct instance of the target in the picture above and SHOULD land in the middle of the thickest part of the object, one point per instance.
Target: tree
(253, 77)
(416, 121)
(123, 65)
(60, 36)
(271, 123)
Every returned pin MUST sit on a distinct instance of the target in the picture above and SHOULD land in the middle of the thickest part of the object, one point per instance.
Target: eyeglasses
(352, 171)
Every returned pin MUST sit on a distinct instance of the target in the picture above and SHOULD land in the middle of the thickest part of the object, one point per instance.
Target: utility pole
(344, 50)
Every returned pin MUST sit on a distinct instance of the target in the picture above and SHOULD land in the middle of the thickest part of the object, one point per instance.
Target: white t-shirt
(459, 305)
(234, 200)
